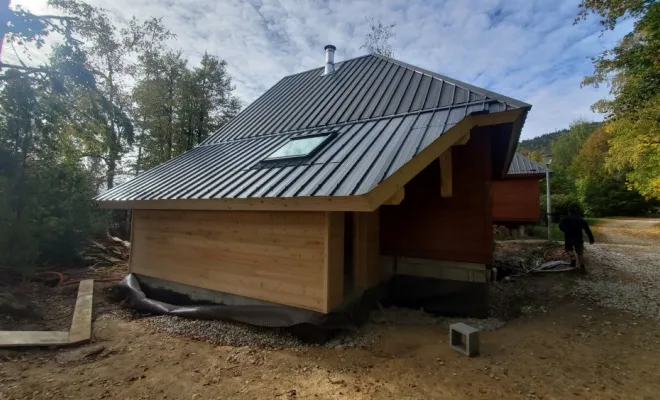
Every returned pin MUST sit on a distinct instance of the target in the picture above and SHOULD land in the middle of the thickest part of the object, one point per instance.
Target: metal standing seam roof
(382, 112)
(521, 165)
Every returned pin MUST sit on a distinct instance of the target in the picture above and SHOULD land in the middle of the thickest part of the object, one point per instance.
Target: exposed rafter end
(396, 199)
(464, 140)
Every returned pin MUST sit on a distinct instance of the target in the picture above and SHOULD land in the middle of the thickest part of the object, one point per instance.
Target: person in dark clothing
(572, 226)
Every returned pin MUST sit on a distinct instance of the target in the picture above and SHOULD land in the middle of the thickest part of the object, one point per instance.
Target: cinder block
(464, 339)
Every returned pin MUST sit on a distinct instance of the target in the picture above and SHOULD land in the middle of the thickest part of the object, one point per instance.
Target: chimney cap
(329, 46)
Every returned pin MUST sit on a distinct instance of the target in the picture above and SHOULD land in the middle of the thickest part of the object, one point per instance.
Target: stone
(464, 339)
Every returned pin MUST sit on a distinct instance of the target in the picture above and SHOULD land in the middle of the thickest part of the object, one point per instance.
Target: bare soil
(559, 345)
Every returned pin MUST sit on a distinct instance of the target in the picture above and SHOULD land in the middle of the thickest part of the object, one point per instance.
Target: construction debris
(107, 250)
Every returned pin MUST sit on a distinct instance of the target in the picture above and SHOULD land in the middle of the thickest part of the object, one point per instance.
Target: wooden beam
(446, 173)
(464, 140)
(81, 326)
(325, 203)
(397, 198)
(33, 338)
(366, 250)
(334, 260)
(388, 187)
(451, 270)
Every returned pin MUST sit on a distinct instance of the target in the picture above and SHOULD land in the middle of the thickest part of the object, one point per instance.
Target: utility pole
(547, 159)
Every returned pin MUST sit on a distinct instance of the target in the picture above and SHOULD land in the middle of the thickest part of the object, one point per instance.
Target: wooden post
(446, 174)
(334, 260)
(366, 249)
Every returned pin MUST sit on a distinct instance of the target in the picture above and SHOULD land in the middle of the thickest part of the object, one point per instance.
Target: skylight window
(299, 147)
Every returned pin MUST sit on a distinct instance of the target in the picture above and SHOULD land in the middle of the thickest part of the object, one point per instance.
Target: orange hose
(59, 275)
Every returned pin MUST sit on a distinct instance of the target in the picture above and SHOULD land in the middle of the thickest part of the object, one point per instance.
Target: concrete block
(464, 339)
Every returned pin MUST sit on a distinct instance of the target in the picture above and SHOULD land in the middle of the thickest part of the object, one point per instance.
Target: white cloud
(524, 49)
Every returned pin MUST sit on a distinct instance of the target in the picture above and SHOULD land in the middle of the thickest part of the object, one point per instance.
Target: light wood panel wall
(277, 256)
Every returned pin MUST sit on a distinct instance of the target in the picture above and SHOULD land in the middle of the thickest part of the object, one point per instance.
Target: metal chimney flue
(329, 59)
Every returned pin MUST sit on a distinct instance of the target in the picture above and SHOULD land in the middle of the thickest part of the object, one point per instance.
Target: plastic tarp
(273, 316)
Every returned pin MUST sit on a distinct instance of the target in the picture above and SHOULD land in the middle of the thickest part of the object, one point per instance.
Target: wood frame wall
(291, 258)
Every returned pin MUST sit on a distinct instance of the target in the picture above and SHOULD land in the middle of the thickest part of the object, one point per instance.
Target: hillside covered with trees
(579, 177)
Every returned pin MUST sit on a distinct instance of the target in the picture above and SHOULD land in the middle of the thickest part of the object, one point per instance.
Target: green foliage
(567, 146)
(632, 69)
(606, 197)
(541, 144)
(67, 127)
(560, 206)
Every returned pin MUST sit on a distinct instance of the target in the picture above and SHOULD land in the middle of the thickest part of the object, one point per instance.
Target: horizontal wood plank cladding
(271, 256)
(516, 200)
(457, 228)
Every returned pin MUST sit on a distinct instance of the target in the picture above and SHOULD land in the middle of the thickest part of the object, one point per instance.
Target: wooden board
(366, 250)
(271, 256)
(81, 325)
(451, 270)
(33, 338)
(516, 200)
(80, 331)
(320, 203)
(334, 260)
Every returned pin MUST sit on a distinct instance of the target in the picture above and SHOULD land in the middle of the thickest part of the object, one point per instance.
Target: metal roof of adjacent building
(382, 113)
(521, 165)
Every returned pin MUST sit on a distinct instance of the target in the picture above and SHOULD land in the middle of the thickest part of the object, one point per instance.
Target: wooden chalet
(331, 182)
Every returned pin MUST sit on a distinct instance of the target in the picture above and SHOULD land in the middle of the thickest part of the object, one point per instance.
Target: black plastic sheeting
(272, 316)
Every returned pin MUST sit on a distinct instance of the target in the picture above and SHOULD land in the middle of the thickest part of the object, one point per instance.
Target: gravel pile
(236, 334)
(222, 332)
(623, 277)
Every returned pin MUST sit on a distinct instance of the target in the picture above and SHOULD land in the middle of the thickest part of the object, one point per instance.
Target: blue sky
(526, 49)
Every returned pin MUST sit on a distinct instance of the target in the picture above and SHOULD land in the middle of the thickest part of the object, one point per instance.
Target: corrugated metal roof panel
(521, 165)
(382, 113)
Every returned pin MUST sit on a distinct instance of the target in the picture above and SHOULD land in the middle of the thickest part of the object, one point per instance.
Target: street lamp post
(547, 159)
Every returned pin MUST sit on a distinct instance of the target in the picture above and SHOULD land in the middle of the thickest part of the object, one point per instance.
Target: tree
(376, 41)
(600, 191)
(632, 69)
(110, 55)
(567, 146)
(178, 107)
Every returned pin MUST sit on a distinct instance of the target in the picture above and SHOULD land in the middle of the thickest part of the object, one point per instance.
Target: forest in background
(112, 101)
(579, 178)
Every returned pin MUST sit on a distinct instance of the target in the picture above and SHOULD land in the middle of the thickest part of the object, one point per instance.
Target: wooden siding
(273, 256)
(457, 228)
(516, 200)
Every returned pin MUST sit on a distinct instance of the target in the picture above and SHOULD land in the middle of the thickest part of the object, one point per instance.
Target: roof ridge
(322, 67)
(359, 121)
(464, 85)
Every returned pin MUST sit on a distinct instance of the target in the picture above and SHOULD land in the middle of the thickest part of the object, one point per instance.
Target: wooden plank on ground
(33, 338)
(81, 326)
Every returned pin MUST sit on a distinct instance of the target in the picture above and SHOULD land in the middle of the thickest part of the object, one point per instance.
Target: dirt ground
(635, 231)
(562, 344)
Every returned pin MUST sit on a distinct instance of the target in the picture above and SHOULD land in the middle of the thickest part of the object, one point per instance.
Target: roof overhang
(369, 201)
